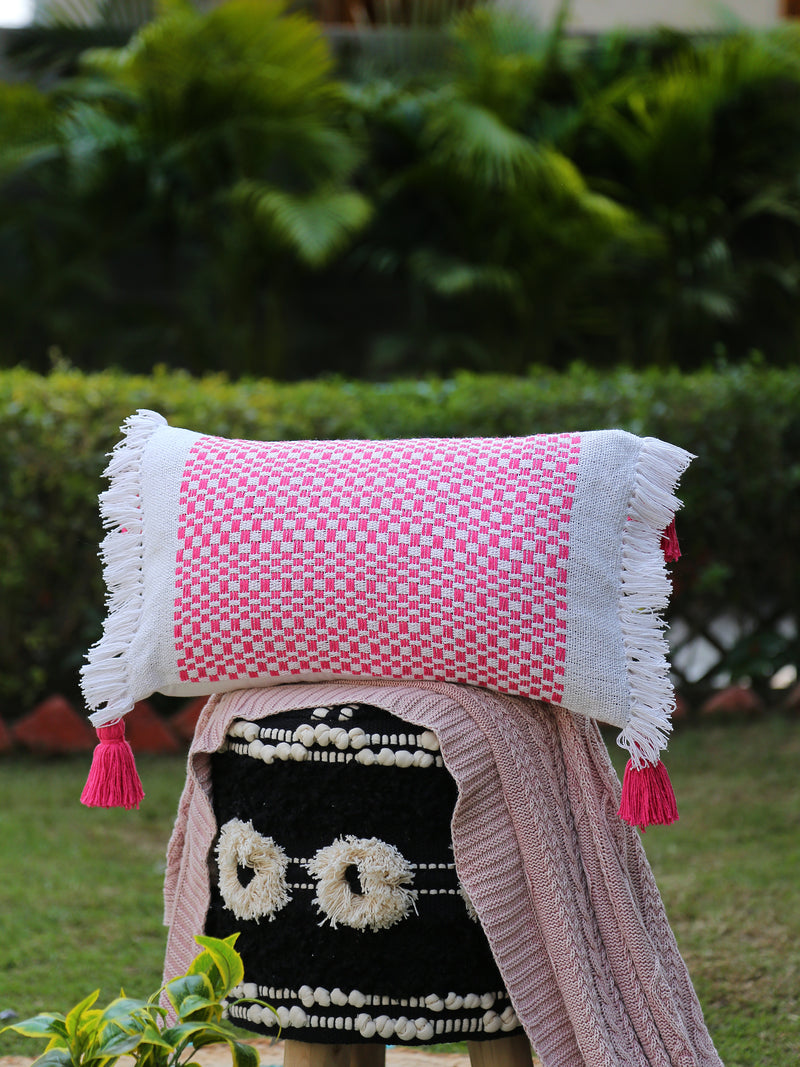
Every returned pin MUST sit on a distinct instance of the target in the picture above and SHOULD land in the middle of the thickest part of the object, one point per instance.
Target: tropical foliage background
(225, 190)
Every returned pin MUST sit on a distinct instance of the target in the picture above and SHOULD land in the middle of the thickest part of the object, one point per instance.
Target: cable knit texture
(561, 886)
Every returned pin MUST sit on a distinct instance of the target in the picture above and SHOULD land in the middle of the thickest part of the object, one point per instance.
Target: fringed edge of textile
(644, 593)
(104, 678)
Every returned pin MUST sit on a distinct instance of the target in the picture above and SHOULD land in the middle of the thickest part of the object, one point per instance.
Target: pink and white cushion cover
(529, 565)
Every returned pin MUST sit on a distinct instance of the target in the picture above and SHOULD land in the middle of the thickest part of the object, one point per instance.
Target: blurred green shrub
(739, 530)
(212, 196)
(160, 204)
(707, 150)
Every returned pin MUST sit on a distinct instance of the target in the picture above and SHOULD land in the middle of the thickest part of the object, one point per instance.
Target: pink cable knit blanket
(561, 886)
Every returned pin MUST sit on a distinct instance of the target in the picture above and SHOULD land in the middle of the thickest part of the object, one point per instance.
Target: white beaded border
(416, 866)
(356, 999)
(299, 751)
(322, 734)
(383, 1026)
(419, 892)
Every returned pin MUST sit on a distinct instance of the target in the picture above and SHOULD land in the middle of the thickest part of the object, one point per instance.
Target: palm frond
(242, 92)
(487, 32)
(314, 226)
(475, 144)
(301, 155)
(449, 276)
(28, 126)
(87, 134)
(245, 53)
(65, 13)
(73, 14)
(500, 60)
(714, 304)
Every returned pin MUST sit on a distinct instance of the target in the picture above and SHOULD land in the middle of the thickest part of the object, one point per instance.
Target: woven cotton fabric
(528, 565)
(562, 888)
(434, 559)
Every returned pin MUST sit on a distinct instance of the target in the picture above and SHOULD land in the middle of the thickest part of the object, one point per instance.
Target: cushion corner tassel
(113, 780)
(670, 544)
(648, 798)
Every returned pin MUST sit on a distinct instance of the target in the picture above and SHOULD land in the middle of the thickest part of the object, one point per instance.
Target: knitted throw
(529, 565)
(562, 888)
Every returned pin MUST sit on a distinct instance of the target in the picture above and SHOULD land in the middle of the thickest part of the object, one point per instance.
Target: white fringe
(645, 591)
(104, 678)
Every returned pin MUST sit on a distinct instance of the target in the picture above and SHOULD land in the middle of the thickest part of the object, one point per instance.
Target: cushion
(526, 565)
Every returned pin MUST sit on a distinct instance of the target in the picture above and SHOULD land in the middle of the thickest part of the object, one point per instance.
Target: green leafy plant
(146, 1030)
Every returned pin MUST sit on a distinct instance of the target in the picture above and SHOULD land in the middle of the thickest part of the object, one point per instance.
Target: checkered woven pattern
(436, 559)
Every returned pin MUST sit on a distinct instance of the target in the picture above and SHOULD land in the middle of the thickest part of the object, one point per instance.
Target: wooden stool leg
(512, 1051)
(367, 1055)
(311, 1054)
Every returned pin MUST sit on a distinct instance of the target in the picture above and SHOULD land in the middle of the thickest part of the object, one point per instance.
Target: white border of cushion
(645, 591)
(630, 595)
(129, 663)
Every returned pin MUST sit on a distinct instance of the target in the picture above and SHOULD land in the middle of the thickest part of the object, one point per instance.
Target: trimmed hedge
(739, 531)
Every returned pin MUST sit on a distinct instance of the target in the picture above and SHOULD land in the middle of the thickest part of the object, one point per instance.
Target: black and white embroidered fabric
(334, 864)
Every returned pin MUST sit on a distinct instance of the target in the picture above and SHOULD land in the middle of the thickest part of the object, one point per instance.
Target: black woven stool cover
(334, 864)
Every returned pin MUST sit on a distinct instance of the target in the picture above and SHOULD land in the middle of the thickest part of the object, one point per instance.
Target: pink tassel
(670, 545)
(648, 798)
(113, 781)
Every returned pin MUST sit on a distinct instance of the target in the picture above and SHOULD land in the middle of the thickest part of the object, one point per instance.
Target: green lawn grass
(80, 890)
(729, 874)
